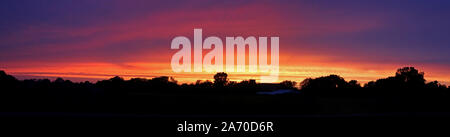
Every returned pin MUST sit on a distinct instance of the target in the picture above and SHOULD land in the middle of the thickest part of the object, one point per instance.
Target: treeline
(407, 90)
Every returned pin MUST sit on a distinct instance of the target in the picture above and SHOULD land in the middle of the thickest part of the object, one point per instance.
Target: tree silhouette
(220, 79)
(204, 84)
(5, 77)
(406, 77)
(163, 82)
(406, 90)
(7, 80)
(435, 85)
(410, 77)
(354, 84)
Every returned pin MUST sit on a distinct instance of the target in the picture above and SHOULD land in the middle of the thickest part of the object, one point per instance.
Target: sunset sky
(98, 39)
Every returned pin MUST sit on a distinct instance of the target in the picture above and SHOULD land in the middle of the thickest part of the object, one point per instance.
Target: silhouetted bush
(327, 82)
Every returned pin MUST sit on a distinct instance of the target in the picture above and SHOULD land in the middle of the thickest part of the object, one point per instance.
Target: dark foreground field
(148, 114)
